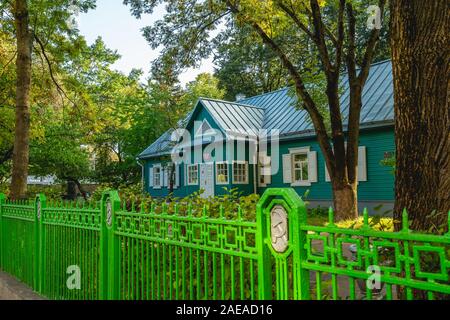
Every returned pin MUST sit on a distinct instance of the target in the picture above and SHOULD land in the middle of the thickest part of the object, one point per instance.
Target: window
(221, 173)
(300, 167)
(157, 176)
(192, 174)
(240, 172)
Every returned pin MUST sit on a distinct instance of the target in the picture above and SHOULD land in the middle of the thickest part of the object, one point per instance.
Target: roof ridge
(288, 87)
(232, 102)
(266, 93)
(380, 62)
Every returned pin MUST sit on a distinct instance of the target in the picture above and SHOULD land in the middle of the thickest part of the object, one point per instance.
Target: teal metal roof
(377, 103)
(277, 110)
(235, 117)
(161, 146)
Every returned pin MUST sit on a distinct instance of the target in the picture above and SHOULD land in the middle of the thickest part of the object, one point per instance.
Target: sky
(113, 21)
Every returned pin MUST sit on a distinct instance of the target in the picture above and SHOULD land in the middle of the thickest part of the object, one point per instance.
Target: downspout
(142, 174)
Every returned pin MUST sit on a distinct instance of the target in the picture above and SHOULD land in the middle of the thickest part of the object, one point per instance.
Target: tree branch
(296, 19)
(52, 76)
(340, 42)
(8, 63)
(370, 48)
(320, 37)
(309, 104)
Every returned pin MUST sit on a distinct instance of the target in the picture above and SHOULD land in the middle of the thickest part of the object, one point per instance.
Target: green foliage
(54, 192)
(245, 66)
(389, 162)
(60, 153)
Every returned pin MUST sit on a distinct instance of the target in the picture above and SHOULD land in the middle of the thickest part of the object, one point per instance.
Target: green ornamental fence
(71, 251)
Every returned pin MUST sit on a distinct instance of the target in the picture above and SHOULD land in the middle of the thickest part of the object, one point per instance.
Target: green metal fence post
(40, 204)
(36, 258)
(109, 247)
(2, 201)
(280, 214)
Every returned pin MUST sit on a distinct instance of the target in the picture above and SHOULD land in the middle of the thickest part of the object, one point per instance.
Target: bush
(233, 200)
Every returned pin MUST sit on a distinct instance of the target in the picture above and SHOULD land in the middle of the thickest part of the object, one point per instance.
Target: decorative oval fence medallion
(38, 209)
(108, 213)
(279, 228)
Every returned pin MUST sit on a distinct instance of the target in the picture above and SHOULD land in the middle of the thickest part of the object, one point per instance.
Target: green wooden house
(297, 161)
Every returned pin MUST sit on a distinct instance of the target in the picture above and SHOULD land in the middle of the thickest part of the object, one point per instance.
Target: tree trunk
(22, 113)
(420, 59)
(345, 198)
(71, 192)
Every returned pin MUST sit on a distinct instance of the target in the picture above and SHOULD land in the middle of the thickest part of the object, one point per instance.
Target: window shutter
(177, 177)
(162, 175)
(312, 166)
(268, 170)
(287, 176)
(150, 176)
(268, 178)
(362, 164)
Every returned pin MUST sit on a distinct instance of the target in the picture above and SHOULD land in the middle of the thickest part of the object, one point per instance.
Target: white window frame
(188, 175)
(264, 167)
(218, 170)
(302, 151)
(157, 186)
(246, 172)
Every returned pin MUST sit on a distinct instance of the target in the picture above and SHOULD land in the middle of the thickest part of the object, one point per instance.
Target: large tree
(22, 126)
(185, 32)
(421, 67)
(37, 25)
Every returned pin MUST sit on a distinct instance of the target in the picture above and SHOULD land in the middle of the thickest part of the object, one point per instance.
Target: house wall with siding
(219, 189)
(378, 189)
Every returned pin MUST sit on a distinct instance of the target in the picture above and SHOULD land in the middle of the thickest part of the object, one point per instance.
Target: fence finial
(405, 224)
(205, 211)
(330, 216)
(221, 215)
(152, 207)
(239, 215)
(366, 217)
(448, 222)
